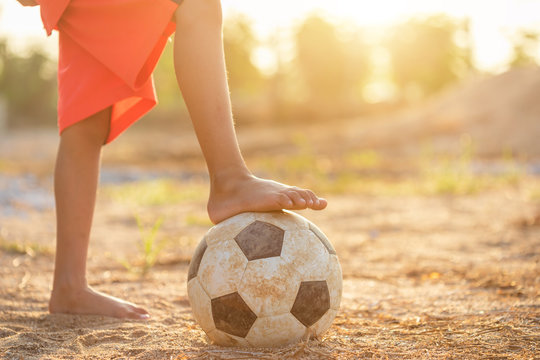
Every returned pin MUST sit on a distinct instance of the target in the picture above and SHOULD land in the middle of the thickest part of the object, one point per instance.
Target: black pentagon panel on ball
(196, 260)
(260, 240)
(322, 238)
(232, 315)
(312, 302)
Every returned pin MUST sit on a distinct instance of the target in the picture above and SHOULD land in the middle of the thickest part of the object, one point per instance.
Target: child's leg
(76, 180)
(200, 70)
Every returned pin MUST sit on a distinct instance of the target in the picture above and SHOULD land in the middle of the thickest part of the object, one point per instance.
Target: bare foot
(233, 195)
(87, 301)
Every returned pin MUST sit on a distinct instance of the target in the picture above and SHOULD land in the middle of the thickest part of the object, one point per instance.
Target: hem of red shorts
(130, 117)
(118, 125)
(124, 115)
(150, 64)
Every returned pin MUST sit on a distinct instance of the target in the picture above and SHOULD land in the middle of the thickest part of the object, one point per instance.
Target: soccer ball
(264, 280)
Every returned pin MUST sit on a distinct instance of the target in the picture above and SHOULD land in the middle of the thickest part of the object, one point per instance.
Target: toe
(140, 310)
(298, 200)
(136, 314)
(322, 203)
(313, 199)
(316, 202)
(284, 201)
(306, 196)
(143, 316)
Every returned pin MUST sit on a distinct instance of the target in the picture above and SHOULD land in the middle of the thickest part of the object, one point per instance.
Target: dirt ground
(425, 276)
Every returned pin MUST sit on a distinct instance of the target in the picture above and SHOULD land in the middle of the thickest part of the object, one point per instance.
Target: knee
(90, 132)
(199, 12)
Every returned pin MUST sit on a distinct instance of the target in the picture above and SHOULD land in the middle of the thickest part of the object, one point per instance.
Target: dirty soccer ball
(264, 280)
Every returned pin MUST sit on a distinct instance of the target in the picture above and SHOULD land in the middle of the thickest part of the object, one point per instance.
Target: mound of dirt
(500, 113)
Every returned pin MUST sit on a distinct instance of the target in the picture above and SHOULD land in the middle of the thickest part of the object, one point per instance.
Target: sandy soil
(424, 277)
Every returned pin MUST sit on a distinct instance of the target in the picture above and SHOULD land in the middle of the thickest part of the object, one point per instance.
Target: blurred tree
(171, 105)
(428, 54)
(334, 68)
(525, 44)
(245, 79)
(28, 86)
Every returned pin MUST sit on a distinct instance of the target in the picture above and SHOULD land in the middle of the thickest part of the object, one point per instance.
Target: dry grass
(427, 274)
(424, 278)
(24, 248)
(365, 334)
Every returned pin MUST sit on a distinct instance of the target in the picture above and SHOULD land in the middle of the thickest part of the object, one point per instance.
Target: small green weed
(455, 175)
(22, 248)
(451, 175)
(513, 172)
(157, 192)
(365, 171)
(366, 159)
(198, 220)
(304, 161)
(451, 178)
(149, 248)
(4, 166)
(534, 193)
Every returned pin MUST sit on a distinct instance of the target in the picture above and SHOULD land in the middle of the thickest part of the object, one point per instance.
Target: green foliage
(149, 248)
(513, 171)
(452, 175)
(455, 175)
(171, 104)
(22, 248)
(305, 159)
(244, 78)
(451, 178)
(4, 165)
(156, 192)
(320, 72)
(364, 172)
(198, 220)
(427, 56)
(525, 44)
(333, 67)
(239, 42)
(28, 84)
(534, 193)
(365, 159)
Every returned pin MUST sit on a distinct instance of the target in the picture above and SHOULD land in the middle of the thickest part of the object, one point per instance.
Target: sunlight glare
(492, 22)
(24, 28)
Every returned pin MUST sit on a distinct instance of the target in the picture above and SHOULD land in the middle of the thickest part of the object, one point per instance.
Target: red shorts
(108, 51)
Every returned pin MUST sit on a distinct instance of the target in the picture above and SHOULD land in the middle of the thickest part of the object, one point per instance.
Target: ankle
(228, 178)
(69, 284)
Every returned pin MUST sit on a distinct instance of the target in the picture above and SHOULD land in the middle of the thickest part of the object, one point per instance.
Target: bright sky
(493, 21)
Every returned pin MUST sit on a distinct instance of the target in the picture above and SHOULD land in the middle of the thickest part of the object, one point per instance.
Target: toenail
(144, 316)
